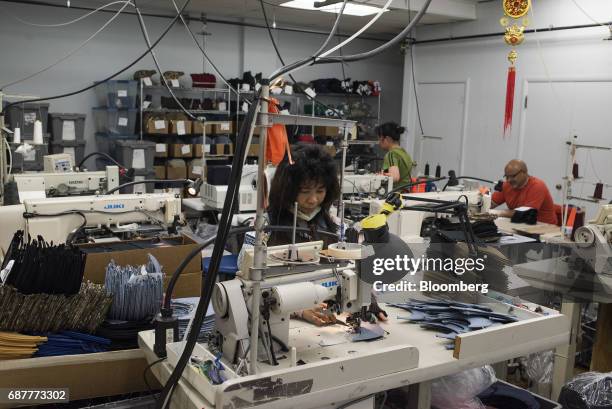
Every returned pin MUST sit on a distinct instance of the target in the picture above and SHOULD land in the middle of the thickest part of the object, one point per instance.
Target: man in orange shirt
(522, 190)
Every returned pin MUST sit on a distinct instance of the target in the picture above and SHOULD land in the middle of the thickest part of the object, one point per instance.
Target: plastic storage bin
(23, 116)
(67, 127)
(135, 154)
(144, 174)
(118, 94)
(32, 161)
(75, 148)
(115, 121)
(106, 142)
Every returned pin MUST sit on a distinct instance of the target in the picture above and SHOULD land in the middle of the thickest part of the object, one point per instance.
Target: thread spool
(578, 222)
(575, 171)
(38, 134)
(598, 194)
(17, 135)
(427, 169)
(222, 106)
(438, 171)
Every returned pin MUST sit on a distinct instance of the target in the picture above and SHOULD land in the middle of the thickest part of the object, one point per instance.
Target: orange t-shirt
(535, 194)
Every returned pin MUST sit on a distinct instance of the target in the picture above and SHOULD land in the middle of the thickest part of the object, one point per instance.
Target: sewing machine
(367, 184)
(291, 353)
(407, 224)
(56, 184)
(214, 195)
(594, 241)
(111, 217)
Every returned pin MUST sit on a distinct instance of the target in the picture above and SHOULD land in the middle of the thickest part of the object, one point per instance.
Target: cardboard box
(197, 128)
(156, 125)
(253, 150)
(332, 131)
(197, 150)
(180, 150)
(180, 127)
(161, 150)
(223, 128)
(176, 169)
(188, 285)
(195, 169)
(160, 171)
(86, 375)
(331, 150)
(222, 149)
(169, 256)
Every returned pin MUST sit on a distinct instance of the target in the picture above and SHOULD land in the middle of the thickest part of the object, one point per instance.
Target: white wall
(565, 56)
(25, 49)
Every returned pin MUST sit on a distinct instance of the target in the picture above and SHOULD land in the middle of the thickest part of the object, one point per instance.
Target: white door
(442, 108)
(554, 115)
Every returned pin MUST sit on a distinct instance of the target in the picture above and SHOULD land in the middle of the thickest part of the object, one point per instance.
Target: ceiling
(440, 11)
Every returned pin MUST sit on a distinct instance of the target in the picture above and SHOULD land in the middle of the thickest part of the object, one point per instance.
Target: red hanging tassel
(509, 101)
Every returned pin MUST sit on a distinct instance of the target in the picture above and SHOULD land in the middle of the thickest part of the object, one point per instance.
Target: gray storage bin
(135, 154)
(144, 174)
(75, 148)
(32, 161)
(106, 142)
(544, 403)
(117, 93)
(22, 116)
(67, 127)
(115, 121)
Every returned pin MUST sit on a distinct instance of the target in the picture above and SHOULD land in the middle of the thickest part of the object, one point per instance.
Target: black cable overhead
(110, 77)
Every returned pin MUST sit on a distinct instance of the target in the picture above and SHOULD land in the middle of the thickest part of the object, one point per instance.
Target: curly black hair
(312, 165)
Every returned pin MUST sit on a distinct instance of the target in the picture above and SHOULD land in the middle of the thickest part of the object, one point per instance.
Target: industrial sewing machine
(214, 195)
(366, 185)
(594, 241)
(408, 224)
(91, 218)
(56, 184)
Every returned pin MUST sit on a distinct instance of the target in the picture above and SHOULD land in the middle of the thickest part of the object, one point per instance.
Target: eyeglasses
(513, 176)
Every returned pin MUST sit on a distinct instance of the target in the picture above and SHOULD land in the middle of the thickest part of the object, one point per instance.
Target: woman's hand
(318, 316)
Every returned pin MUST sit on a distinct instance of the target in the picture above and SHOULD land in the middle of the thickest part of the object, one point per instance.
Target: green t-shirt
(400, 158)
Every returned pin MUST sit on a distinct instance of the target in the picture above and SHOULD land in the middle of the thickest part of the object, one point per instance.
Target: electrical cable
(84, 16)
(278, 54)
(71, 53)
(144, 373)
(399, 37)
(215, 261)
(416, 96)
(69, 94)
(358, 32)
(212, 64)
(583, 11)
(334, 29)
(145, 34)
(106, 155)
(147, 181)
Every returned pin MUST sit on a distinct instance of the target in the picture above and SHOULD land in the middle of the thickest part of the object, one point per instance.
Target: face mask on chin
(310, 216)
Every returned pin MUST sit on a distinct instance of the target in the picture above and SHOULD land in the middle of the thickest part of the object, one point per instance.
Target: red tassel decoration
(509, 101)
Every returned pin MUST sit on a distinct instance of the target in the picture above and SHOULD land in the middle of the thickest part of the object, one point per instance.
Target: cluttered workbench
(424, 357)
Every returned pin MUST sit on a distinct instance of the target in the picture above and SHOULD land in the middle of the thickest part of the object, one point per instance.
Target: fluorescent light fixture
(351, 9)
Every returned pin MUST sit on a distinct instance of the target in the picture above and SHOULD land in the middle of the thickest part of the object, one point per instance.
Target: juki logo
(329, 284)
(114, 206)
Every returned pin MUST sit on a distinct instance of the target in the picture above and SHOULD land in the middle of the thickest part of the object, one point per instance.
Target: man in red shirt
(522, 190)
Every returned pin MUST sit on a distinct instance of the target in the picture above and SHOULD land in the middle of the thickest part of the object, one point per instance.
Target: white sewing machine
(594, 241)
(366, 184)
(214, 195)
(111, 216)
(407, 224)
(315, 358)
(54, 184)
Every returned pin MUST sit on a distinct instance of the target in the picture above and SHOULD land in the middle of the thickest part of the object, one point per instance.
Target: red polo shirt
(534, 194)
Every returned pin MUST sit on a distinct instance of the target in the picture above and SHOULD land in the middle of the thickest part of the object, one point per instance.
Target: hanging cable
(332, 33)
(583, 11)
(110, 77)
(212, 64)
(66, 23)
(71, 53)
(416, 95)
(358, 32)
(145, 34)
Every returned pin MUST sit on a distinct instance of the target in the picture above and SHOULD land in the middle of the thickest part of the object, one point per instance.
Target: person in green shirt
(397, 163)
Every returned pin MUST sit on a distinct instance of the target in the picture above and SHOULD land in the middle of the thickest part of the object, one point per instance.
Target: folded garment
(525, 215)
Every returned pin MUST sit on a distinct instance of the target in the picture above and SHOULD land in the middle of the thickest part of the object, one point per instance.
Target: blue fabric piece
(229, 264)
